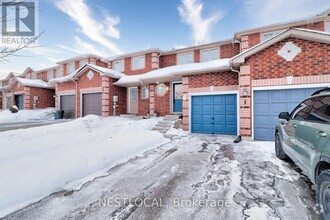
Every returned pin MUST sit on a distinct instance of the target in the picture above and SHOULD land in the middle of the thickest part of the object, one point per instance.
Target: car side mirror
(284, 115)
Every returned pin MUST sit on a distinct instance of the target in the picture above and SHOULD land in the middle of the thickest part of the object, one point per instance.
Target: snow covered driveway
(192, 177)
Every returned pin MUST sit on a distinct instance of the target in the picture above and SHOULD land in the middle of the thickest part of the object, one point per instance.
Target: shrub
(13, 109)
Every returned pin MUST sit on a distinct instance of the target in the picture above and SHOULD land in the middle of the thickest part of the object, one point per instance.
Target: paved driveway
(192, 177)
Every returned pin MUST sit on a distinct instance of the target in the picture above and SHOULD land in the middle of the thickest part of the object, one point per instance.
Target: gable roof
(318, 36)
(78, 72)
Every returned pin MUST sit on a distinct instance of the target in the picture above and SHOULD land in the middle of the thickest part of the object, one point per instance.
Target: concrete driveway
(191, 177)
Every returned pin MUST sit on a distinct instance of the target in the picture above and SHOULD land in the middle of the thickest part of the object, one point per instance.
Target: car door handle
(321, 134)
(294, 125)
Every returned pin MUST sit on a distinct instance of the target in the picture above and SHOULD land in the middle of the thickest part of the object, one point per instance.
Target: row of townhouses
(235, 86)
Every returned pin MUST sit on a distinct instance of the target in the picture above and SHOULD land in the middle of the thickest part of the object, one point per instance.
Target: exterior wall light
(245, 92)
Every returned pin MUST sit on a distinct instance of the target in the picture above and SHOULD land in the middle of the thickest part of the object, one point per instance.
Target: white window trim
(146, 97)
(179, 54)
(67, 68)
(48, 74)
(118, 61)
(211, 48)
(327, 26)
(144, 65)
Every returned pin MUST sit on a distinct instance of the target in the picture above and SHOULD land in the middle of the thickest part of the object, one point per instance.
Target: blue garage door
(214, 114)
(267, 106)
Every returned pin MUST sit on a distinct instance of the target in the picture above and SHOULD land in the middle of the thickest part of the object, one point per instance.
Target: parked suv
(304, 136)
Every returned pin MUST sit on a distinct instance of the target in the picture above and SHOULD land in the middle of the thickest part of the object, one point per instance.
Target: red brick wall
(197, 56)
(229, 50)
(18, 88)
(167, 60)
(313, 60)
(1, 97)
(213, 79)
(45, 97)
(143, 104)
(318, 26)
(101, 63)
(122, 101)
(162, 103)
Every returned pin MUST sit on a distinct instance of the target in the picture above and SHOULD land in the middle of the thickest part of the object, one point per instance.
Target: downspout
(73, 80)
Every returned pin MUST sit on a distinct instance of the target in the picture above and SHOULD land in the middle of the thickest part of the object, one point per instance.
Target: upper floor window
(267, 35)
(138, 62)
(34, 76)
(185, 58)
(210, 54)
(144, 93)
(59, 71)
(0, 83)
(70, 68)
(118, 65)
(50, 74)
(83, 62)
(27, 76)
(327, 26)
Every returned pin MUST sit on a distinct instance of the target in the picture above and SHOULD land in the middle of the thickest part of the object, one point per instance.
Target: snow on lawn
(27, 115)
(39, 161)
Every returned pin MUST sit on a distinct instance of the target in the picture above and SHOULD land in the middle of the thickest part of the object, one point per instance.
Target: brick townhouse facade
(235, 86)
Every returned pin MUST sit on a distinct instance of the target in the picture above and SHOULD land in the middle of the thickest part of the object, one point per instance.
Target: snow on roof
(177, 70)
(102, 70)
(136, 53)
(34, 83)
(83, 56)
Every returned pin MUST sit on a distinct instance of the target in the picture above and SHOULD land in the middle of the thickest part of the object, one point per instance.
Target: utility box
(35, 98)
(115, 98)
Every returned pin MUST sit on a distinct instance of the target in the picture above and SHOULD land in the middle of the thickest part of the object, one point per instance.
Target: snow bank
(39, 161)
(27, 115)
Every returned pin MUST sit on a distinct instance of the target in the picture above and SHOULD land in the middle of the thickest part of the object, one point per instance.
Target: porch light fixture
(245, 92)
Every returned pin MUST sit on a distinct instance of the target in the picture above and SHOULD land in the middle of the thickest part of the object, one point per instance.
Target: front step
(166, 124)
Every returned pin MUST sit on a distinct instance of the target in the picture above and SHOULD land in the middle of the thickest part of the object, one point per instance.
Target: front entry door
(177, 97)
(133, 100)
(19, 101)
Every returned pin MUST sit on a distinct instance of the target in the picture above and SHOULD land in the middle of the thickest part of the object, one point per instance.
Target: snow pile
(27, 115)
(191, 68)
(39, 161)
(35, 83)
(177, 132)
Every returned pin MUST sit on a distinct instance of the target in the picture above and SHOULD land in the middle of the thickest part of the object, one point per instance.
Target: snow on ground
(27, 115)
(39, 161)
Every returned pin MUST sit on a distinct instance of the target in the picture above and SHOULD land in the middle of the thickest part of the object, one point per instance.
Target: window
(34, 76)
(145, 93)
(0, 83)
(210, 54)
(50, 74)
(185, 58)
(27, 76)
(118, 65)
(59, 71)
(327, 26)
(320, 112)
(300, 113)
(267, 35)
(138, 62)
(83, 62)
(161, 89)
(70, 68)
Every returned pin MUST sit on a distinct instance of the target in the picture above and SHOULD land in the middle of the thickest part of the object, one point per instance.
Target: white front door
(133, 100)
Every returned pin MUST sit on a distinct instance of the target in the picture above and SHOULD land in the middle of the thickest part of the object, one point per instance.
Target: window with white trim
(70, 68)
(184, 58)
(327, 26)
(210, 54)
(34, 75)
(267, 35)
(118, 65)
(59, 72)
(50, 74)
(27, 76)
(83, 62)
(138, 62)
(144, 93)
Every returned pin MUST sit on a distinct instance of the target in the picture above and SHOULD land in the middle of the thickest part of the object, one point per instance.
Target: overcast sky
(112, 27)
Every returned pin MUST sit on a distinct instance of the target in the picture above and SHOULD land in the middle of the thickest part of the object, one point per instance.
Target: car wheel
(278, 148)
(323, 194)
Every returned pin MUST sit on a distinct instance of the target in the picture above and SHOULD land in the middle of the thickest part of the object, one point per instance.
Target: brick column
(109, 65)
(154, 61)
(245, 43)
(105, 97)
(185, 102)
(92, 60)
(245, 101)
(27, 98)
(152, 99)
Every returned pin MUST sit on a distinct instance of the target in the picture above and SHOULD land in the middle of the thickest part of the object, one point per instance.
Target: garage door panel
(68, 105)
(198, 100)
(268, 104)
(219, 114)
(92, 104)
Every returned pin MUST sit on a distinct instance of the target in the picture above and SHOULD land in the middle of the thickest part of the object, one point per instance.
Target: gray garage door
(92, 104)
(68, 103)
(269, 103)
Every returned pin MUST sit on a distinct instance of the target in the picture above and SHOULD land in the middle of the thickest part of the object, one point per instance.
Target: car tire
(323, 194)
(278, 148)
